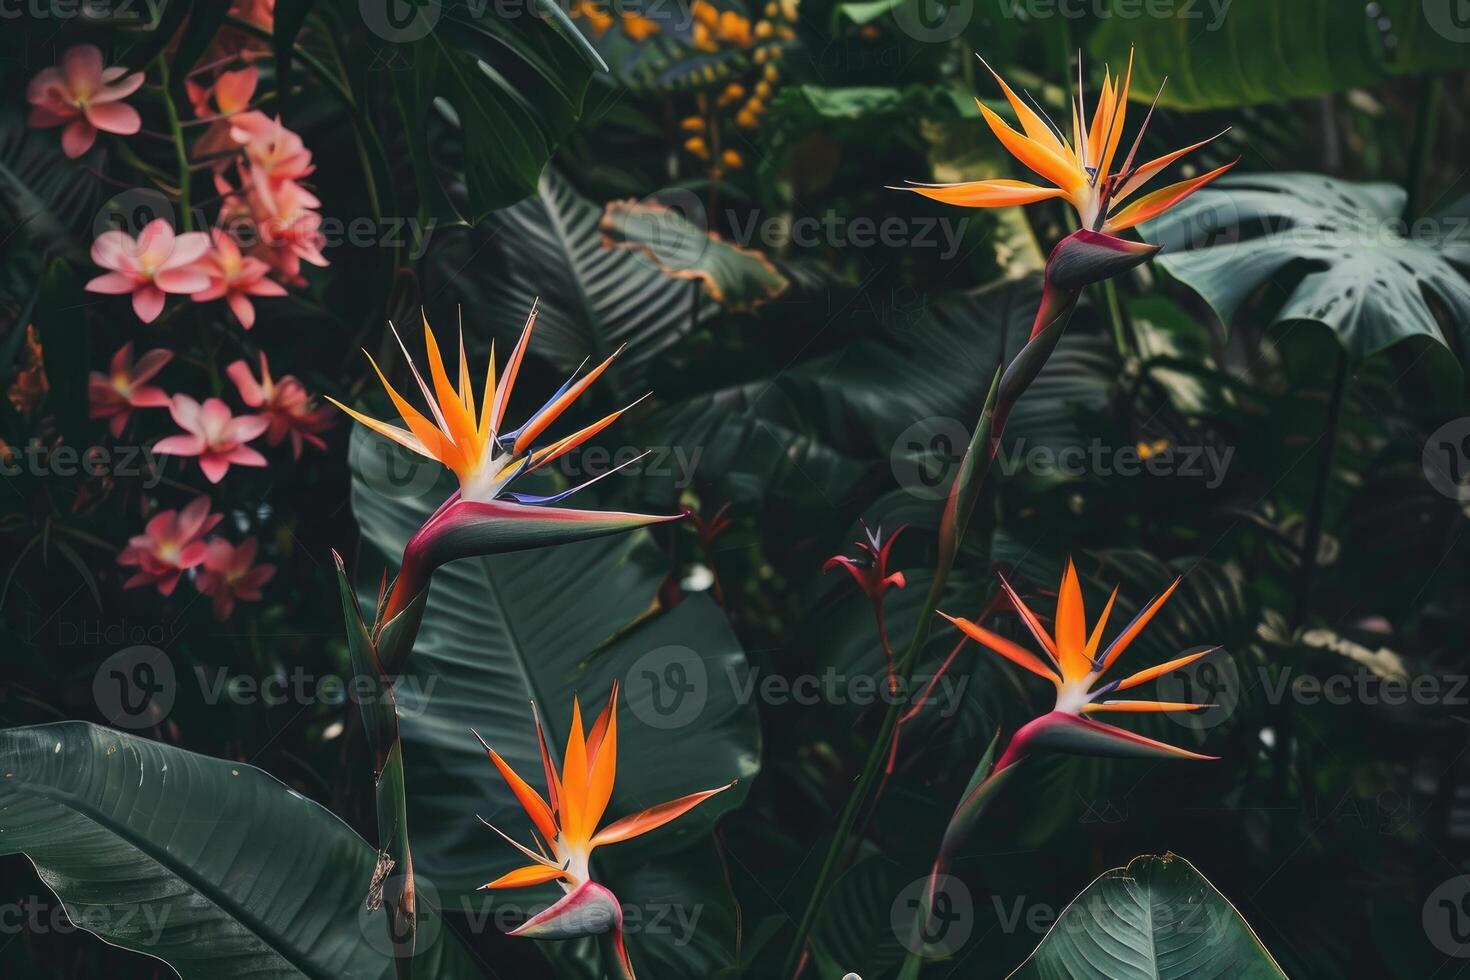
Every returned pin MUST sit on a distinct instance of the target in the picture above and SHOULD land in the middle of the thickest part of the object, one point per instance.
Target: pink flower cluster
(268, 224)
(174, 542)
(211, 431)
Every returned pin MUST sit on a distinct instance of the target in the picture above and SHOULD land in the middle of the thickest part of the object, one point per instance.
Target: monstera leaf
(502, 633)
(1157, 919)
(183, 857)
(508, 87)
(1219, 53)
(1363, 273)
(592, 299)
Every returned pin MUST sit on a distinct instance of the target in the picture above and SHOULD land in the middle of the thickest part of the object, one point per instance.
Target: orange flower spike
(1079, 669)
(1079, 169)
(470, 440)
(580, 795)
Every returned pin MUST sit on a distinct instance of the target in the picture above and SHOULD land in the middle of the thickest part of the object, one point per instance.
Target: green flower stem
(181, 155)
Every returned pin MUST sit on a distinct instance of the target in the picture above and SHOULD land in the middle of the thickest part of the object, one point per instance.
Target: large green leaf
(1241, 52)
(541, 626)
(1363, 272)
(207, 864)
(1157, 919)
(509, 87)
(592, 299)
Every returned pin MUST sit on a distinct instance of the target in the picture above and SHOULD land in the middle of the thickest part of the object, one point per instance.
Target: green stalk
(1424, 133)
(181, 155)
(979, 443)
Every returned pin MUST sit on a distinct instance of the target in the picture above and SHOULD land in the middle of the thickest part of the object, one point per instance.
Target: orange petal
(574, 780)
(553, 411)
(451, 407)
(653, 818)
(1097, 630)
(1048, 163)
(1071, 626)
(602, 753)
(1121, 641)
(487, 397)
(1155, 204)
(1035, 127)
(529, 799)
(994, 193)
(427, 432)
(531, 874)
(1013, 652)
(512, 368)
(404, 438)
(1146, 172)
(553, 781)
(561, 447)
(1119, 113)
(1144, 676)
(1029, 618)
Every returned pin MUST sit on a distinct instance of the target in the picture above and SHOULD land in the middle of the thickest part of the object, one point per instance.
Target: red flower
(230, 575)
(285, 403)
(171, 542)
(114, 395)
(235, 278)
(84, 97)
(154, 263)
(870, 569)
(214, 435)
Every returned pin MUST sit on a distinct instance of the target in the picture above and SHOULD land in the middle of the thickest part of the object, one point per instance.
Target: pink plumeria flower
(228, 97)
(230, 575)
(156, 262)
(171, 543)
(235, 278)
(285, 403)
(288, 230)
(114, 395)
(84, 97)
(272, 150)
(213, 434)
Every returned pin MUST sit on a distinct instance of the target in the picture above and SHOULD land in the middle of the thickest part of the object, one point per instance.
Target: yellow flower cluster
(636, 26)
(740, 103)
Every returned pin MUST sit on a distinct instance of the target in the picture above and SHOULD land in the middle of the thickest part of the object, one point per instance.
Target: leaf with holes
(1355, 269)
